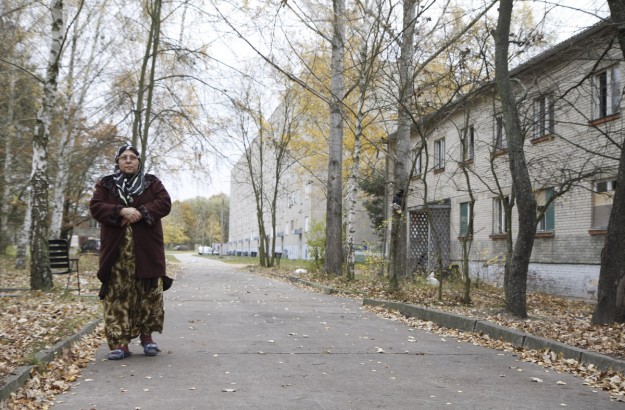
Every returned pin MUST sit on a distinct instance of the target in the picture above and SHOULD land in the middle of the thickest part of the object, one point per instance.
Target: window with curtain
(500, 134)
(547, 222)
(602, 197)
(465, 215)
(439, 153)
(606, 93)
(499, 215)
(468, 146)
(417, 165)
(544, 117)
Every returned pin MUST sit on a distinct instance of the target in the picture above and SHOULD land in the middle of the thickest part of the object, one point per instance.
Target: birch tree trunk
(526, 202)
(66, 146)
(72, 109)
(40, 274)
(334, 203)
(401, 152)
(354, 176)
(24, 237)
(611, 289)
(352, 194)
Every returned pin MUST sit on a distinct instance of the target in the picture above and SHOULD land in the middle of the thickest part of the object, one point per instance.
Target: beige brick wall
(577, 147)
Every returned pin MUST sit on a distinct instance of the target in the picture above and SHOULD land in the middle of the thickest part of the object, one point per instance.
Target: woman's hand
(130, 215)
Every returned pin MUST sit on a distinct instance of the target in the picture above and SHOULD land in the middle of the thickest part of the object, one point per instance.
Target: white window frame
(606, 92)
(439, 153)
(468, 146)
(292, 199)
(501, 143)
(548, 222)
(544, 116)
(602, 196)
(499, 215)
(416, 171)
(466, 206)
(605, 186)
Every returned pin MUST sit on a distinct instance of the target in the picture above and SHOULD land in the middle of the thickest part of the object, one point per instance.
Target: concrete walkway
(233, 340)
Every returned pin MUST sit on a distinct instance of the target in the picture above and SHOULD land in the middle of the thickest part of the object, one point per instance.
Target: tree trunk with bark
(40, 273)
(141, 120)
(24, 237)
(334, 202)
(10, 133)
(526, 202)
(352, 194)
(401, 153)
(611, 289)
(66, 146)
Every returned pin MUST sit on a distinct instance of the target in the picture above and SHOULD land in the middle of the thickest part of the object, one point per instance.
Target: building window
(500, 134)
(544, 117)
(602, 197)
(547, 221)
(468, 146)
(606, 93)
(291, 199)
(465, 216)
(306, 224)
(416, 171)
(499, 215)
(439, 154)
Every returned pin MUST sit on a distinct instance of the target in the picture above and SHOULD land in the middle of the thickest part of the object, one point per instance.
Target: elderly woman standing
(129, 206)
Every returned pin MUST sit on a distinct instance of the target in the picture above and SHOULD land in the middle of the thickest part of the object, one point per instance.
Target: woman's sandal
(119, 353)
(150, 349)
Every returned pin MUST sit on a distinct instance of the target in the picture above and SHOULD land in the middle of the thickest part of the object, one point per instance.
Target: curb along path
(494, 331)
(22, 374)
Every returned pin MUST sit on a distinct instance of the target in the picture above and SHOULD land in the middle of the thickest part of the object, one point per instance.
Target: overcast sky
(567, 20)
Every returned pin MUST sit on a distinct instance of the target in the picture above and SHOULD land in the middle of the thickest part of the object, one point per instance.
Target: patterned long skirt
(132, 306)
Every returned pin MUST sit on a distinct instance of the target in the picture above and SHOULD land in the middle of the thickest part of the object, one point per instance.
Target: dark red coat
(147, 234)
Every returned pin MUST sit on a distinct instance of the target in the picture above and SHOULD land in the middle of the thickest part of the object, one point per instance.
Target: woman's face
(128, 162)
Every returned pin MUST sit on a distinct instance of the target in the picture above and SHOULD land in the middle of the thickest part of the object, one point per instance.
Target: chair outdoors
(61, 263)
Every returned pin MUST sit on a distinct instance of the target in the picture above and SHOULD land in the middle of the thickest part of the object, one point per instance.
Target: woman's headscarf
(128, 185)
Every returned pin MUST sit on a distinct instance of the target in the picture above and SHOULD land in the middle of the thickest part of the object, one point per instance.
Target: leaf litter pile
(35, 321)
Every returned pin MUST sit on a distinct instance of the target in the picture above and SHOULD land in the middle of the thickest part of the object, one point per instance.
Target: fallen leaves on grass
(36, 321)
(55, 377)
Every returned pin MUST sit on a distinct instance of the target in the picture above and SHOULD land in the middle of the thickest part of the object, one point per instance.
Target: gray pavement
(234, 340)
